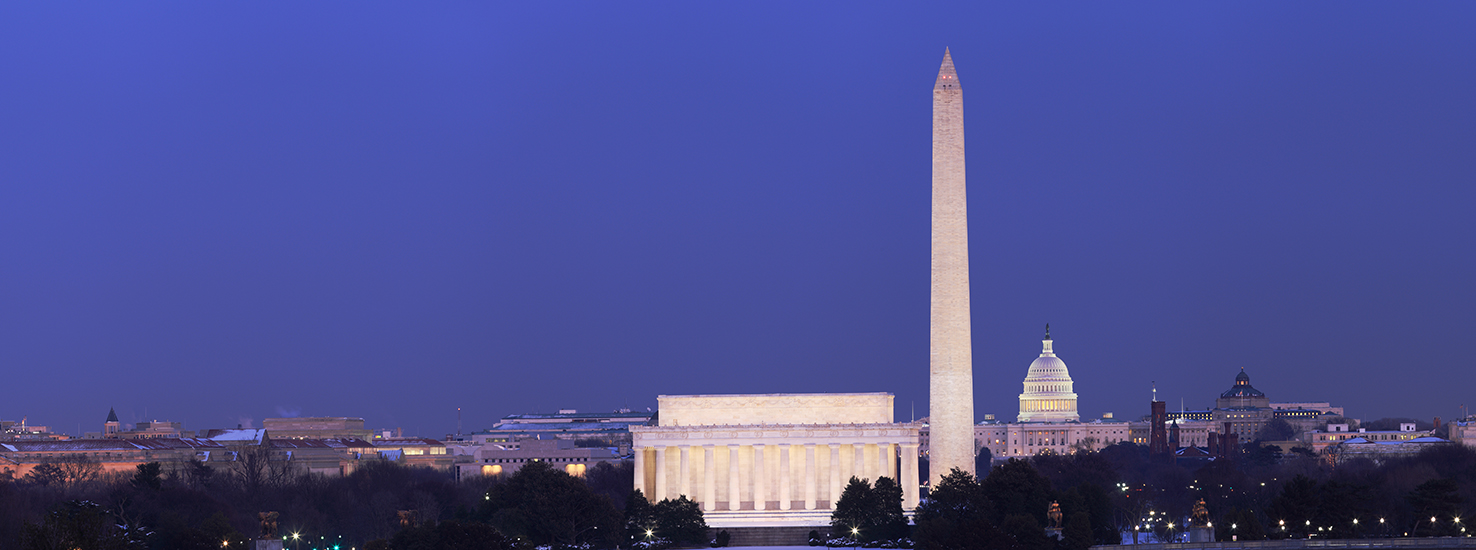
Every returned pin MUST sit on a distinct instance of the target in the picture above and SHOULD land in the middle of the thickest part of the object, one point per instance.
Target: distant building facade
(1320, 407)
(1335, 434)
(229, 450)
(493, 459)
(20, 431)
(1363, 447)
(317, 427)
(1247, 410)
(591, 429)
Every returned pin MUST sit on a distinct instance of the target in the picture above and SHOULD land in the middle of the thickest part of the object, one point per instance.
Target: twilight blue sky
(219, 211)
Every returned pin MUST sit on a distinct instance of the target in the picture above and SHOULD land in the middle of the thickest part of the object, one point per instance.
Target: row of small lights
(1124, 488)
(1281, 522)
(295, 537)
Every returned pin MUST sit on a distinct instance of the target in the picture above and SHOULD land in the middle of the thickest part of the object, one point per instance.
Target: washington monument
(951, 359)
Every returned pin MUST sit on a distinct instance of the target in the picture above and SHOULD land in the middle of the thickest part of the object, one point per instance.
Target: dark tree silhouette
(1016, 488)
(1276, 429)
(640, 517)
(956, 517)
(680, 521)
(548, 506)
(855, 512)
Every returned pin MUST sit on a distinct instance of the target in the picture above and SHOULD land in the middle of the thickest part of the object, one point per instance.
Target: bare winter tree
(281, 469)
(251, 468)
(192, 472)
(78, 468)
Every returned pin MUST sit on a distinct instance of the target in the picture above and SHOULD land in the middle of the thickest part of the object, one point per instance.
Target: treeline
(1123, 492)
(1009, 509)
(1102, 496)
(191, 505)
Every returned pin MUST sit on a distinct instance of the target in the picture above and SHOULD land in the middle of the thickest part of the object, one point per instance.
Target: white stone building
(772, 460)
(1048, 395)
(1048, 422)
(1464, 431)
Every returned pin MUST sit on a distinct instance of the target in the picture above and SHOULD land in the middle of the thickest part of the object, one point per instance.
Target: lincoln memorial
(772, 459)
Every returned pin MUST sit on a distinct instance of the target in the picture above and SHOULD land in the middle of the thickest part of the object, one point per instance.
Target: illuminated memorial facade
(772, 460)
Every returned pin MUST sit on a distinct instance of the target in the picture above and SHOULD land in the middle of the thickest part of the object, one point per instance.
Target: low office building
(317, 427)
(20, 431)
(1463, 432)
(19, 458)
(415, 451)
(492, 459)
(1320, 407)
(610, 429)
(1363, 447)
(1320, 440)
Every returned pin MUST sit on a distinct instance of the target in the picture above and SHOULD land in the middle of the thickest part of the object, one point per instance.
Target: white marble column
(874, 461)
(785, 495)
(835, 479)
(889, 458)
(909, 476)
(733, 485)
(640, 472)
(709, 483)
(760, 479)
(684, 487)
(660, 473)
(811, 485)
(859, 450)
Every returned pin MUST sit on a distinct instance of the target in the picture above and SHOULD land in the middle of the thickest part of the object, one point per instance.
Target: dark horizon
(219, 213)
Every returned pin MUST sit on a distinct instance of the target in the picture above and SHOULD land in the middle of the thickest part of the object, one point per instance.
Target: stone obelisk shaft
(951, 403)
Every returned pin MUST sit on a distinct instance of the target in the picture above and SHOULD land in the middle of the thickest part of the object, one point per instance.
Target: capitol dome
(1048, 395)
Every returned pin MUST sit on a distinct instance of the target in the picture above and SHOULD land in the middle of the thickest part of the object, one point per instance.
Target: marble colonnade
(772, 467)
